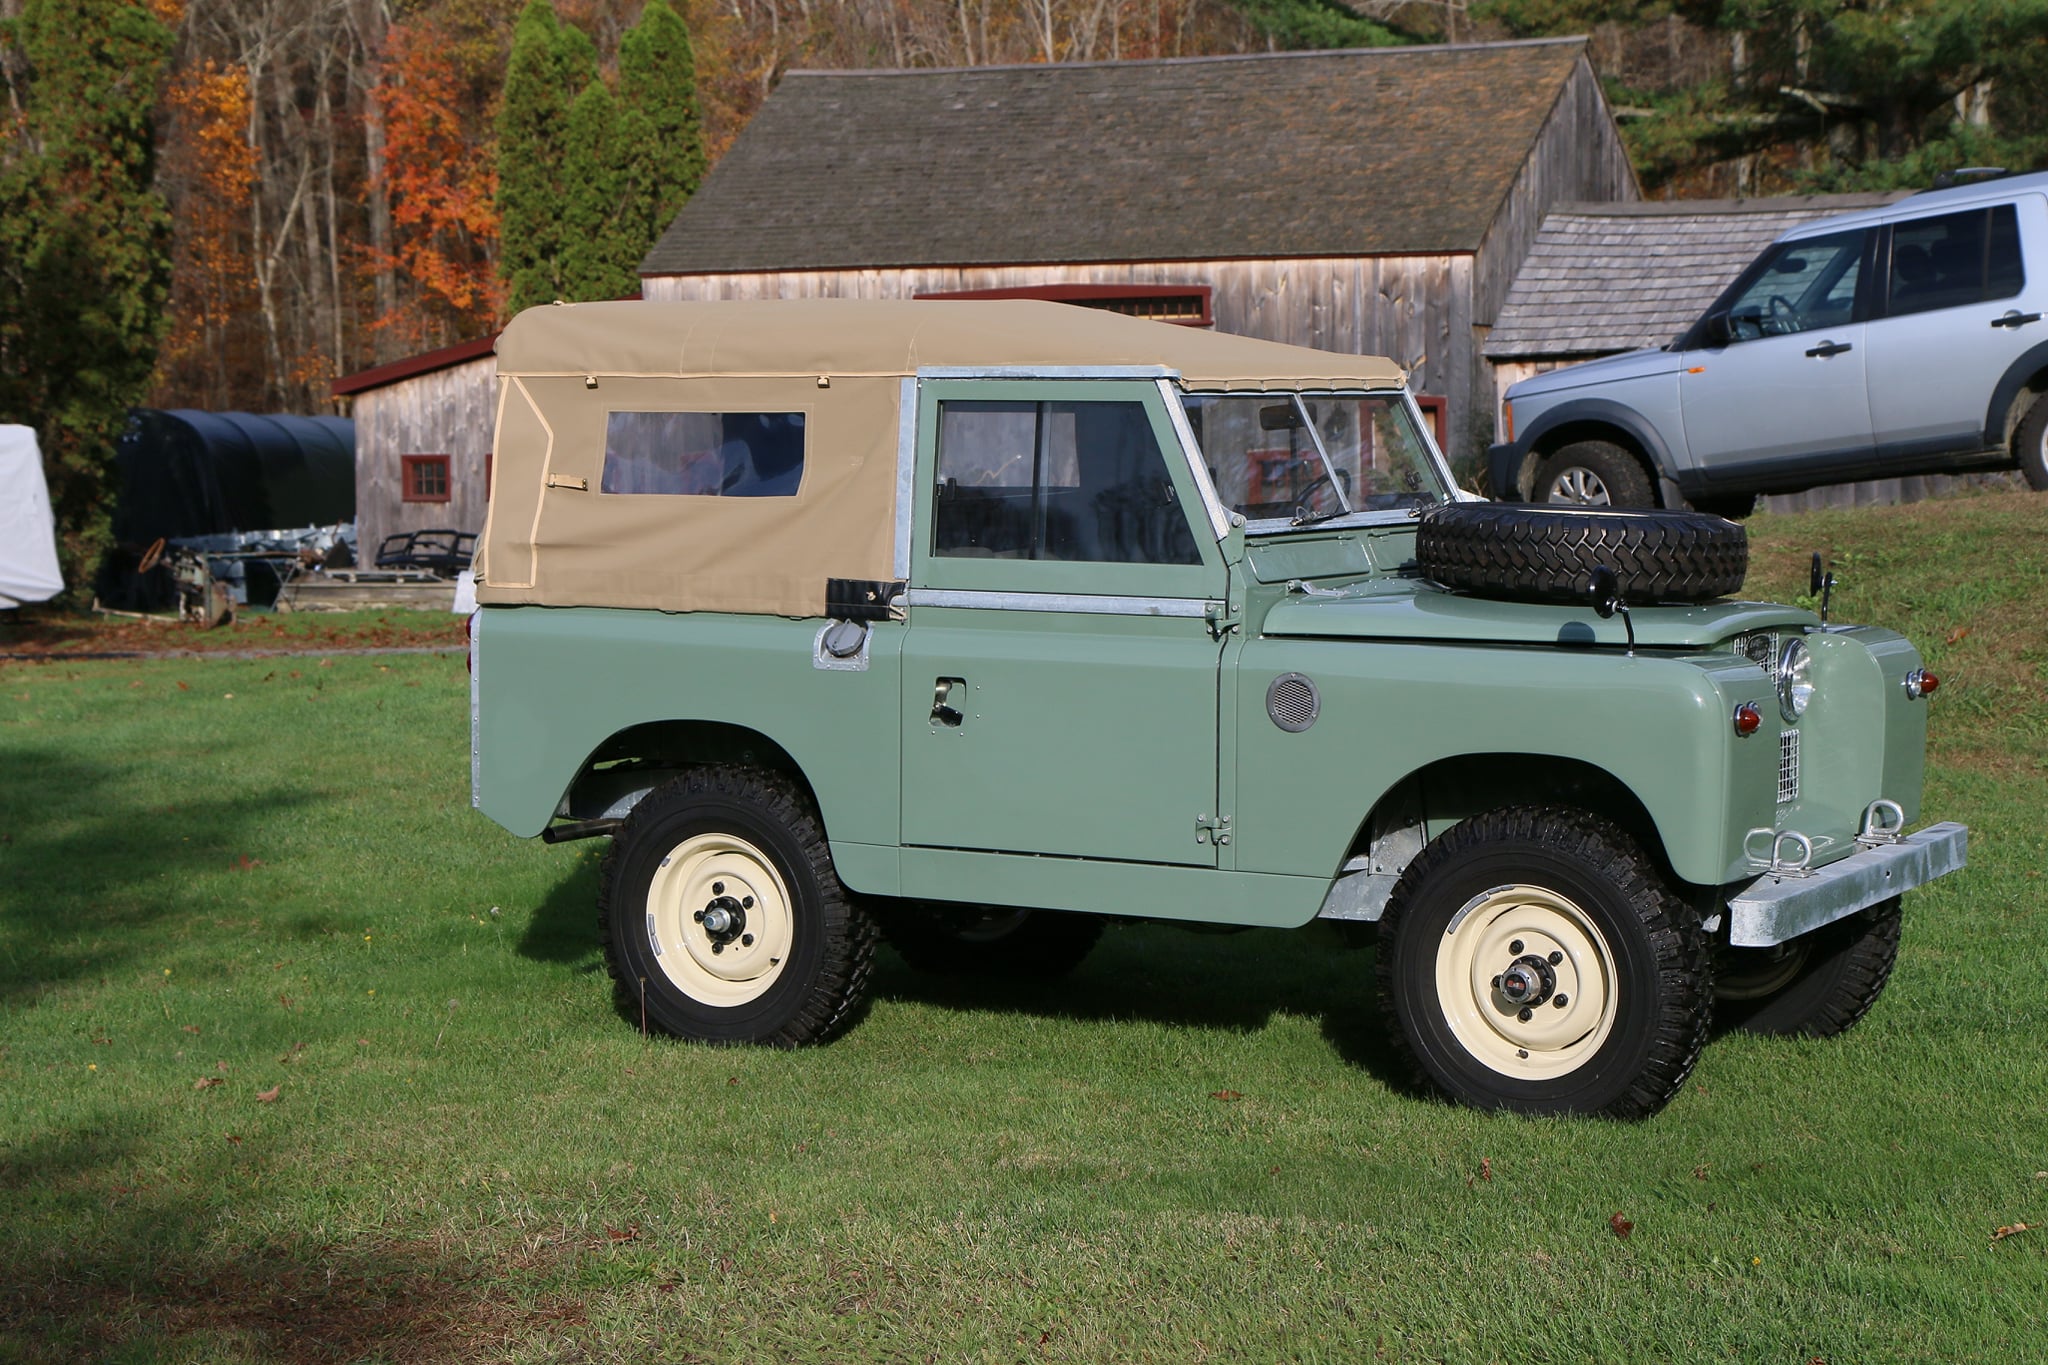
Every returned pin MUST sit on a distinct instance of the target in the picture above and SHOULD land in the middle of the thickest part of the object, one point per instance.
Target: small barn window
(423, 478)
(704, 454)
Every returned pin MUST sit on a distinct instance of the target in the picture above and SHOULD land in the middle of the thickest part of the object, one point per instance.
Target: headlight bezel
(1796, 688)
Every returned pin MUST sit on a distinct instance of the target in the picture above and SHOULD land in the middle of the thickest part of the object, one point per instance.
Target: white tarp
(28, 535)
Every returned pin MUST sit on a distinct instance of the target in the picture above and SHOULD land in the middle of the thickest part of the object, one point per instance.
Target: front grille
(1788, 766)
(1761, 650)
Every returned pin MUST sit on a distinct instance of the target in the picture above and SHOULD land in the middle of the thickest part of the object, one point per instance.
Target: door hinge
(1216, 829)
(1218, 615)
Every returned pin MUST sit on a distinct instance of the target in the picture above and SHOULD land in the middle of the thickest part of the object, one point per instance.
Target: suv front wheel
(1531, 959)
(1593, 474)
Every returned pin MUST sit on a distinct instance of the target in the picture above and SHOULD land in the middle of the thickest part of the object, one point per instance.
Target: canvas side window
(704, 454)
(1082, 482)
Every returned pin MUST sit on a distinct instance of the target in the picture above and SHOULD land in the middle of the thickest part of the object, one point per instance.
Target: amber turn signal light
(1920, 683)
(1748, 719)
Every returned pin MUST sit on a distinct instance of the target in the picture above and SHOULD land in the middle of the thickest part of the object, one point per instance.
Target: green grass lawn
(300, 1058)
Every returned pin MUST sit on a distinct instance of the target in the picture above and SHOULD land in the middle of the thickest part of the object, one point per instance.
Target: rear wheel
(1531, 959)
(2030, 444)
(1816, 986)
(1593, 474)
(989, 940)
(723, 919)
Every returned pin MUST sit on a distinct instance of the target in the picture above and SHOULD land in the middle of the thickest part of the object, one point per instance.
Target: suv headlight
(1795, 680)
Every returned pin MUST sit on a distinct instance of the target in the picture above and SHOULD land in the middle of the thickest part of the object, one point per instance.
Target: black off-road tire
(994, 940)
(1538, 880)
(1548, 554)
(2030, 445)
(1831, 977)
(1592, 473)
(754, 836)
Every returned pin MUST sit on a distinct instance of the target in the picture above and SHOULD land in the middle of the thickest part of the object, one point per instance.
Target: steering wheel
(1305, 499)
(1783, 311)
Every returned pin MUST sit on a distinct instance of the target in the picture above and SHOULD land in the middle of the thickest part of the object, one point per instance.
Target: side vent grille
(1788, 766)
(1292, 702)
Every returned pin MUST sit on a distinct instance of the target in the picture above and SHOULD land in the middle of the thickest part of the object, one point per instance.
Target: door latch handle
(1828, 348)
(943, 711)
(2013, 317)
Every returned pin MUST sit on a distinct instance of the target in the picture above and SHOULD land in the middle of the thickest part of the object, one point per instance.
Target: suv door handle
(943, 711)
(2013, 317)
(1828, 348)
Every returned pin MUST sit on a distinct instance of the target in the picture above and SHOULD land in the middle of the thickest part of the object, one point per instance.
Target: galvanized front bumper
(1779, 907)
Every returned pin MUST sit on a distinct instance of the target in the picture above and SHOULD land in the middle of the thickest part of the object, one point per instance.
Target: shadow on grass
(1237, 982)
(104, 1259)
(93, 859)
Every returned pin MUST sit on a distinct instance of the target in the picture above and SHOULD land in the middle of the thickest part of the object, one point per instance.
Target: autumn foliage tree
(84, 259)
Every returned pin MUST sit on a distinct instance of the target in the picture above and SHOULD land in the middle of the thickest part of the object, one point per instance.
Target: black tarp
(191, 473)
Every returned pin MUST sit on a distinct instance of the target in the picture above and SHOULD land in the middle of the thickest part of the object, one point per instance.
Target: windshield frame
(1220, 512)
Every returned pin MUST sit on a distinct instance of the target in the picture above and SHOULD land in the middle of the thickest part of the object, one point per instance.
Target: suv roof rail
(1966, 175)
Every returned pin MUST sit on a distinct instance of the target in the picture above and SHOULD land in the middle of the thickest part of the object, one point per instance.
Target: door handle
(1828, 348)
(943, 711)
(2013, 317)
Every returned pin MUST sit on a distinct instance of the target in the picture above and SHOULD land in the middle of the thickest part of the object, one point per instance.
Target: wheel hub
(718, 919)
(1528, 981)
(725, 918)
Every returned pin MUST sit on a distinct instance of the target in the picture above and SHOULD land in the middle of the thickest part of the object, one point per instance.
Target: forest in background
(328, 164)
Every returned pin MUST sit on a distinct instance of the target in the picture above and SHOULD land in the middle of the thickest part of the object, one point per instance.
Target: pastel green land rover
(978, 625)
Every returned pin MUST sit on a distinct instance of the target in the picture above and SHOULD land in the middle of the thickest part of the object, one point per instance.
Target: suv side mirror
(1720, 329)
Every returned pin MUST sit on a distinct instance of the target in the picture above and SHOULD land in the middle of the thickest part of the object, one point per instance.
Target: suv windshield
(1300, 458)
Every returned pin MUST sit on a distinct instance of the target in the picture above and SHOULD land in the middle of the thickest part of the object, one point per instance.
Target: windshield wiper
(1304, 519)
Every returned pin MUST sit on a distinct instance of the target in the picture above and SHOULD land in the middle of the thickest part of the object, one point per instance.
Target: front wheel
(1816, 986)
(723, 919)
(1531, 959)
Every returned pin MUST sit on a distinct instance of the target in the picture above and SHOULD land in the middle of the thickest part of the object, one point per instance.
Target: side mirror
(1813, 578)
(1605, 590)
(1279, 417)
(1720, 329)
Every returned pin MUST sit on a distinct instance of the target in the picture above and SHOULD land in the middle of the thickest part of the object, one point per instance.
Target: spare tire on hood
(1548, 554)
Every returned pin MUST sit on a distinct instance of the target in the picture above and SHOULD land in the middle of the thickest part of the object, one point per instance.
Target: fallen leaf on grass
(234, 1139)
(1224, 1095)
(1622, 1226)
(244, 863)
(184, 687)
(1955, 636)
(266, 1096)
(1486, 1168)
(2012, 1230)
(1700, 1172)
(207, 1082)
(628, 1233)
(189, 1028)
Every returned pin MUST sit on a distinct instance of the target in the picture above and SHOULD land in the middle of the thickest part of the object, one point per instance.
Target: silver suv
(1900, 340)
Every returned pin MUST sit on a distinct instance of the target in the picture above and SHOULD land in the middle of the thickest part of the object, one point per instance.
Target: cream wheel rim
(1513, 937)
(718, 919)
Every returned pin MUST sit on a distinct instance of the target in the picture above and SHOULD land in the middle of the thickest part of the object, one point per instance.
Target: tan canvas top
(810, 337)
(836, 369)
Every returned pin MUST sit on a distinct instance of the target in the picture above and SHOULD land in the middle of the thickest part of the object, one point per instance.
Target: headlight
(1795, 680)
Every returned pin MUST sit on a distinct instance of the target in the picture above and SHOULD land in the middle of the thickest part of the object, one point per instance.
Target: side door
(1060, 674)
(1787, 388)
(1959, 307)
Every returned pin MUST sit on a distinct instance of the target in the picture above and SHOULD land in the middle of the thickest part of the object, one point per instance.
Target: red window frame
(1130, 299)
(416, 477)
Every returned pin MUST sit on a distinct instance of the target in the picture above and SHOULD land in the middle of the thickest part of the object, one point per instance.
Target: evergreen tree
(84, 244)
(661, 130)
(600, 248)
(549, 60)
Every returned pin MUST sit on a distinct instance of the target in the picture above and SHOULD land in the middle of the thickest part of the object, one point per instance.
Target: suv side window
(1075, 481)
(1805, 284)
(1955, 259)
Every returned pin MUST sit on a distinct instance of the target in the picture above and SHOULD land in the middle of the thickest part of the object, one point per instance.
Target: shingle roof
(1616, 277)
(1271, 156)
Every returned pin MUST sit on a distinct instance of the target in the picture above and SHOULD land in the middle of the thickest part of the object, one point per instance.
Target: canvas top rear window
(704, 454)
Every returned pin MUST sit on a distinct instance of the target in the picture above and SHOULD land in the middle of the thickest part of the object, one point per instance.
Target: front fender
(1659, 725)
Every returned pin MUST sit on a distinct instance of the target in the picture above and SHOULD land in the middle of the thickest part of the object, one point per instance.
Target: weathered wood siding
(1416, 310)
(448, 412)
(1578, 157)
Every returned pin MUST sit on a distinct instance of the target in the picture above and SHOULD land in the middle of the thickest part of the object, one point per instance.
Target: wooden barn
(1376, 201)
(423, 441)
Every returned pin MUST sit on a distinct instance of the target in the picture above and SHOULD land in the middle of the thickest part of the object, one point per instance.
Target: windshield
(1308, 457)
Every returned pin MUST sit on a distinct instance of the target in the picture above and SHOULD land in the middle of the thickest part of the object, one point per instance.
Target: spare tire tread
(1548, 554)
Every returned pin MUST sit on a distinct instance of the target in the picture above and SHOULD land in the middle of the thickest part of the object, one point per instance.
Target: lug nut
(1525, 1016)
(718, 888)
(746, 940)
(1560, 1000)
(1556, 957)
(700, 917)
(746, 902)
(718, 947)
(1496, 980)
(1515, 947)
